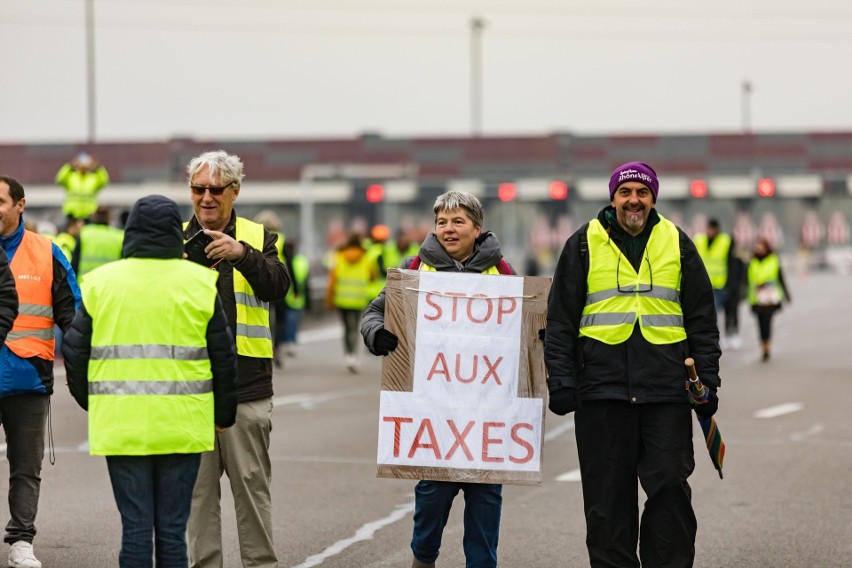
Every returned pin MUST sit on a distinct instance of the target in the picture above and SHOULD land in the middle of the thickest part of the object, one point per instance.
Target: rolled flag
(698, 395)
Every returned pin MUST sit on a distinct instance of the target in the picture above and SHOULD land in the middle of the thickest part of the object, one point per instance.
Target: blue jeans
(153, 495)
(291, 325)
(432, 503)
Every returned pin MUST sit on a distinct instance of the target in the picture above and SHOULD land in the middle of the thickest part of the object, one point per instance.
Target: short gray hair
(460, 200)
(228, 168)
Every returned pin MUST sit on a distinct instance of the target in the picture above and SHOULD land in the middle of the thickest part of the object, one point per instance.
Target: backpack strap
(503, 267)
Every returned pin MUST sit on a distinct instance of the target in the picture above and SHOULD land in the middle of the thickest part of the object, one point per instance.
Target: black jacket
(485, 255)
(269, 279)
(8, 297)
(154, 231)
(635, 370)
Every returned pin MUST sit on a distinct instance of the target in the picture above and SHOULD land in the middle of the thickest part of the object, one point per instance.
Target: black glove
(710, 407)
(563, 401)
(541, 334)
(384, 342)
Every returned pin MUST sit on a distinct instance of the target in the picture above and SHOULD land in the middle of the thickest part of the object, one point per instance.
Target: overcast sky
(242, 69)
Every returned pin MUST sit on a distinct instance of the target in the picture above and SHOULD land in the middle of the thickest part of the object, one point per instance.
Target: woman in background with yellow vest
(766, 291)
(349, 278)
(150, 356)
(458, 244)
(631, 300)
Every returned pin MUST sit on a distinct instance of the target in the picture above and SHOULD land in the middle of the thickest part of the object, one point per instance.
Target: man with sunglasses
(631, 300)
(251, 277)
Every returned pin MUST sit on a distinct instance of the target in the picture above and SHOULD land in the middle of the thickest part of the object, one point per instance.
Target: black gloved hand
(710, 407)
(563, 401)
(384, 342)
(542, 333)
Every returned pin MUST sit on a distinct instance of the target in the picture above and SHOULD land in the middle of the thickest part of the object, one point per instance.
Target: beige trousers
(242, 452)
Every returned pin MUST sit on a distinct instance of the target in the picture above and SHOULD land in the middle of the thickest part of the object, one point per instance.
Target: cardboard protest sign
(463, 394)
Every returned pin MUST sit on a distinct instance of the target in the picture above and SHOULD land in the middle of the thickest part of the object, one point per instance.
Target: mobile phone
(194, 248)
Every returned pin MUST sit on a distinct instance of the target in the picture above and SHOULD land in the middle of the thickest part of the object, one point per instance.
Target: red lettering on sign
(487, 440)
(425, 427)
(443, 370)
(459, 443)
(492, 369)
(397, 420)
(505, 305)
(501, 311)
(521, 442)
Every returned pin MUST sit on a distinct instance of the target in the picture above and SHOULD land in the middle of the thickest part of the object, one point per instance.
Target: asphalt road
(786, 499)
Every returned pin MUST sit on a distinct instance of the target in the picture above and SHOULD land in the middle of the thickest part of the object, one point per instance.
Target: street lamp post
(745, 103)
(90, 70)
(477, 24)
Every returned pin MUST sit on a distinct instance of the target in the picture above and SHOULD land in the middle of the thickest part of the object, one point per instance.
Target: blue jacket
(35, 375)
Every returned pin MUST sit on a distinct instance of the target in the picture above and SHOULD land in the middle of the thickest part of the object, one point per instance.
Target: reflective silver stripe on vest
(180, 352)
(658, 292)
(35, 310)
(254, 331)
(607, 319)
(662, 321)
(250, 300)
(46, 334)
(150, 387)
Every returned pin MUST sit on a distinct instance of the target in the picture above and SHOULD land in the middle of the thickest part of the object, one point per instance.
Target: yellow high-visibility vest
(715, 257)
(150, 382)
(618, 296)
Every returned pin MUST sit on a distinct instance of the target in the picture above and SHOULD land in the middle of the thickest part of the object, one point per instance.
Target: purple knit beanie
(634, 171)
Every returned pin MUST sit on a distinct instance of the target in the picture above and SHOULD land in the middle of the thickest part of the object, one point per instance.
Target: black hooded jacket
(486, 253)
(153, 230)
(8, 297)
(635, 370)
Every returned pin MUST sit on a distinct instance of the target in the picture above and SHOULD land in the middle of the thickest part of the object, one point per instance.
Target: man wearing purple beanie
(631, 300)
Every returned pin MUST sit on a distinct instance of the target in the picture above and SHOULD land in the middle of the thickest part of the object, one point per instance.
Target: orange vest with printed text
(32, 267)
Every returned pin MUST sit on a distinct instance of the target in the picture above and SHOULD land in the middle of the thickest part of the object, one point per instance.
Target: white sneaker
(21, 556)
(352, 363)
(734, 342)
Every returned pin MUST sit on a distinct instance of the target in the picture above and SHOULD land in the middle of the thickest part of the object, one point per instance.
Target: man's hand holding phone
(209, 248)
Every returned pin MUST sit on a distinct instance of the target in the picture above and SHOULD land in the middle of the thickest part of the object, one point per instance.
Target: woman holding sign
(458, 244)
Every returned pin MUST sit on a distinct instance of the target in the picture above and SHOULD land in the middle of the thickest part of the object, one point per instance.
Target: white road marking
(812, 431)
(573, 475)
(559, 430)
(366, 532)
(779, 410)
(320, 334)
(308, 401)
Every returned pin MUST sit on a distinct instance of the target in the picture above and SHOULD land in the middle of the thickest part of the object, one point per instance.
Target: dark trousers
(764, 320)
(23, 417)
(351, 329)
(483, 503)
(153, 495)
(617, 443)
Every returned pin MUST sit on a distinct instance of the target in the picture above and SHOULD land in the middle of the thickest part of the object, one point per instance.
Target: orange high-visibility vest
(32, 267)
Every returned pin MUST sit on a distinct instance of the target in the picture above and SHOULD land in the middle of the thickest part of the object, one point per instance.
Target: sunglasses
(214, 190)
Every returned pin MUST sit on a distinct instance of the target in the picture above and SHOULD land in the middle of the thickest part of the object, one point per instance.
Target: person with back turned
(151, 357)
(630, 301)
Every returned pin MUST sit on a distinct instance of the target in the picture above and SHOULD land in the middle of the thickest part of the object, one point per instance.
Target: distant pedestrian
(349, 279)
(718, 252)
(766, 291)
(298, 298)
(83, 178)
(97, 244)
(156, 316)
